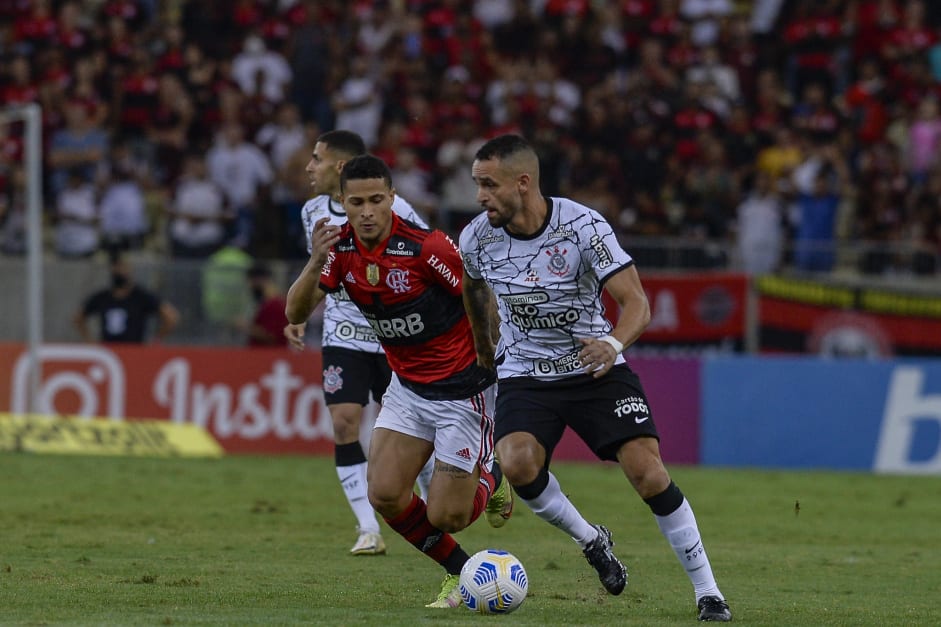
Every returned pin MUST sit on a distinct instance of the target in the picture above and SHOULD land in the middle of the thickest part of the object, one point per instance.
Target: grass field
(264, 540)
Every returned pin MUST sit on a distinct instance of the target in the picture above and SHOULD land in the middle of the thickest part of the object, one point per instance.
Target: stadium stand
(701, 128)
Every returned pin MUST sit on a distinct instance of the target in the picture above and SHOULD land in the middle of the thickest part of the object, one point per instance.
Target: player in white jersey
(354, 363)
(559, 361)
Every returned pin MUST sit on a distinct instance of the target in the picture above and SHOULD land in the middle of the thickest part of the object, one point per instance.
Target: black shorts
(604, 412)
(349, 376)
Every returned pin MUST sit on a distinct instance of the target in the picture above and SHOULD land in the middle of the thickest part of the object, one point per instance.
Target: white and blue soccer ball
(493, 582)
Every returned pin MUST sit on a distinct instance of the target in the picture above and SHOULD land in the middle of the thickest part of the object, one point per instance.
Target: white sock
(681, 531)
(556, 509)
(424, 478)
(353, 480)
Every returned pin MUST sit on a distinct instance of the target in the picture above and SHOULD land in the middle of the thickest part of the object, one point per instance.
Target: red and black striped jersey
(409, 290)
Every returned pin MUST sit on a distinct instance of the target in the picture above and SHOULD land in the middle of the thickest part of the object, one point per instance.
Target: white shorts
(462, 431)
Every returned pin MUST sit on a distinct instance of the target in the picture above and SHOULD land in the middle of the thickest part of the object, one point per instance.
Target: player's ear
(339, 165)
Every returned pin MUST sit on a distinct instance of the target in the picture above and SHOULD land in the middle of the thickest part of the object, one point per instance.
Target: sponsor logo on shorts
(332, 381)
(634, 406)
(464, 453)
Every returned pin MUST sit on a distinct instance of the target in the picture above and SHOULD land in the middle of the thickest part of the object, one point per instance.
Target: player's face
(368, 205)
(323, 171)
(498, 191)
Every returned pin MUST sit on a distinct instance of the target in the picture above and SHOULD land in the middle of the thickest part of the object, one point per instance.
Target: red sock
(484, 489)
(412, 524)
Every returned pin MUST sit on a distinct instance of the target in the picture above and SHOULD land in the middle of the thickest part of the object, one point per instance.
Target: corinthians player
(559, 361)
(353, 360)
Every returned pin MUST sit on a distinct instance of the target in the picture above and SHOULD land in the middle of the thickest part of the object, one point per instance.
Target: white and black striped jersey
(548, 286)
(343, 324)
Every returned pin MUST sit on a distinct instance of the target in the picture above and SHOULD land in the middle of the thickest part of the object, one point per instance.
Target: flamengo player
(354, 363)
(559, 360)
(406, 280)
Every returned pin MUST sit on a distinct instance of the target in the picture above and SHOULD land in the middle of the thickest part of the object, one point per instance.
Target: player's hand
(596, 357)
(322, 237)
(295, 335)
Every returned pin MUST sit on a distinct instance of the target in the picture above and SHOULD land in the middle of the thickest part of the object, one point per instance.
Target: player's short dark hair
(365, 167)
(502, 146)
(347, 142)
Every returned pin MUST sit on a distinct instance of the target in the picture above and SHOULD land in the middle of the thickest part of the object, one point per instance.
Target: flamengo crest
(397, 279)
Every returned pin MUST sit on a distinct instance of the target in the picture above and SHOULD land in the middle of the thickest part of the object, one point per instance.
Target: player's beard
(499, 220)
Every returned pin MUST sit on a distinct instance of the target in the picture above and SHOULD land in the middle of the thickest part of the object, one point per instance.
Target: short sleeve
(601, 250)
(443, 259)
(330, 275)
(468, 241)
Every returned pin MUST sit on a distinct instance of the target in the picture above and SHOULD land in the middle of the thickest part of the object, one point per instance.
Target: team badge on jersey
(397, 279)
(558, 265)
(372, 274)
(332, 379)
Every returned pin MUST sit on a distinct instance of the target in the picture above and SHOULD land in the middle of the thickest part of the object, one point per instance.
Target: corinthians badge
(372, 274)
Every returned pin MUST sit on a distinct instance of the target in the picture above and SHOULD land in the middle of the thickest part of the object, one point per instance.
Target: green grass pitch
(264, 540)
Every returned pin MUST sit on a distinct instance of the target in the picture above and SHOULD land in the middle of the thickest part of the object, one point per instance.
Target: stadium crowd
(762, 132)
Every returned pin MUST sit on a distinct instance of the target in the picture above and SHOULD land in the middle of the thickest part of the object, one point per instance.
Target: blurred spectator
(122, 212)
(198, 214)
(814, 36)
(226, 300)
(125, 310)
(711, 70)
(413, 183)
(706, 16)
(814, 241)
(286, 140)
(267, 326)
(243, 173)
(358, 102)
(458, 190)
(283, 136)
(13, 214)
(760, 227)
(76, 218)
(168, 127)
(255, 61)
(864, 103)
(924, 139)
(78, 147)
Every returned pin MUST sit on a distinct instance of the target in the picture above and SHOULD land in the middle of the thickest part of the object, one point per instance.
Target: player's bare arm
(305, 293)
(598, 355)
(481, 312)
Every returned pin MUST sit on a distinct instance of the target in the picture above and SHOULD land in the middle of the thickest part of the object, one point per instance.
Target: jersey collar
(340, 213)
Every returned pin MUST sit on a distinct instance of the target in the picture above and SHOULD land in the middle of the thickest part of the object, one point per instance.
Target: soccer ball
(493, 582)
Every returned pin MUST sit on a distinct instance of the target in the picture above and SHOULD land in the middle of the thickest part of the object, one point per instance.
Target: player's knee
(449, 521)
(345, 425)
(520, 464)
(648, 479)
(388, 503)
